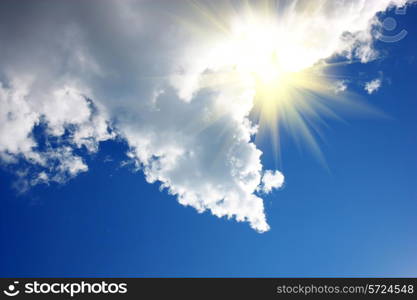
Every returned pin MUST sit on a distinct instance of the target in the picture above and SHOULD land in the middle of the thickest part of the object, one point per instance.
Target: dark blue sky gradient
(358, 218)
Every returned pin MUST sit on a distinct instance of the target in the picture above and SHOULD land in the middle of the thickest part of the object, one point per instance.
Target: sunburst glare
(263, 47)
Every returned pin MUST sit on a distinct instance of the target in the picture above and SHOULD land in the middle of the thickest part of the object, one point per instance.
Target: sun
(258, 50)
(259, 47)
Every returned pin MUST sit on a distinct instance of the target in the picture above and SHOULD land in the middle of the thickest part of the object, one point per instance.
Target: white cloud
(66, 115)
(202, 153)
(373, 86)
(144, 72)
(340, 86)
(271, 180)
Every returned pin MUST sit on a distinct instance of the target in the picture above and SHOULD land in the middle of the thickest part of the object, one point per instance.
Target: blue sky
(358, 217)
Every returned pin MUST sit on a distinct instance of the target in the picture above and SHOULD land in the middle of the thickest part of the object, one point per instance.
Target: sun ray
(257, 48)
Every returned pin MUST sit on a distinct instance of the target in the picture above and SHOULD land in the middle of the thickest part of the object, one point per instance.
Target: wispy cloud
(373, 86)
(340, 86)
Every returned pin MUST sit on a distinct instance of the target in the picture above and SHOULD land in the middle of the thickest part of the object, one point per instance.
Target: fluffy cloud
(271, 180)
(373, 86)
(68, 119)
(129, 64)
